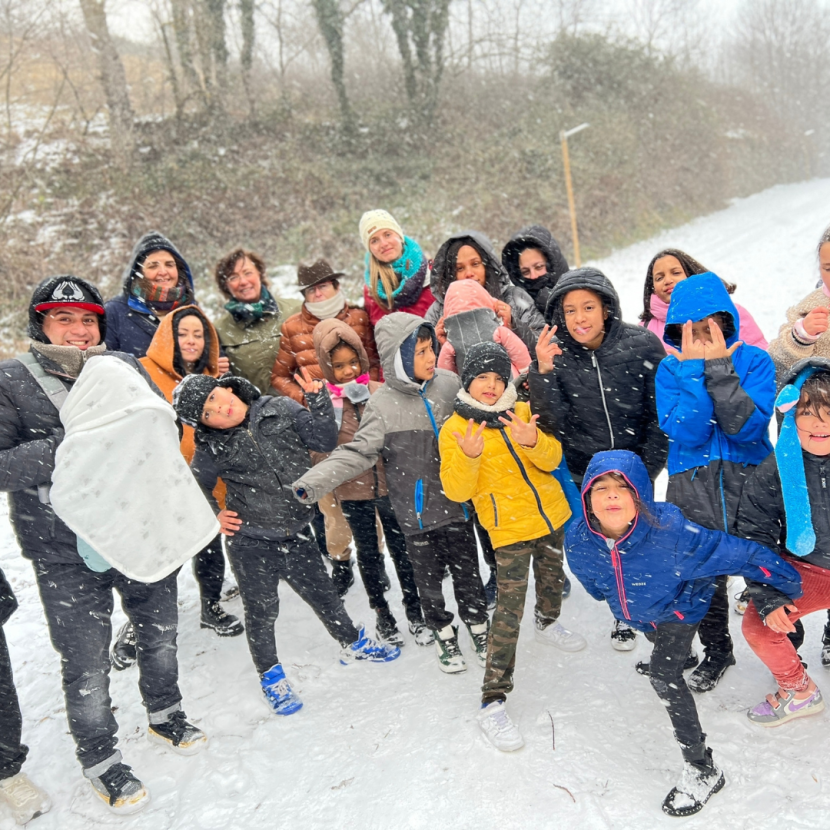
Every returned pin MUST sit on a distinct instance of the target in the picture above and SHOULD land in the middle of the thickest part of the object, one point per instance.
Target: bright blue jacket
(666, 571)
(715, 409)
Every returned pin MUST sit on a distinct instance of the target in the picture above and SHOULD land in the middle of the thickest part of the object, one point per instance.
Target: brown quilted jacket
(297, 349)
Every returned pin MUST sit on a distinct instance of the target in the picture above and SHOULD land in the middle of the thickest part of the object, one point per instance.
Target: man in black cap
(67, 326)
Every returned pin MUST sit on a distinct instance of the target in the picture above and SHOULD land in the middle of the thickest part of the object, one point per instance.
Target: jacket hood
(533, 236)
(466, 295)
(390, 334)
(696, 298)
(590, 279)
(327, 334)
(814, 364)
(152, 241)
(628, 464)
(162, 348)
(441, 279)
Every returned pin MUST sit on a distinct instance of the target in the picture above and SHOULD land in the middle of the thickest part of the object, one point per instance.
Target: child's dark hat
(190, 395)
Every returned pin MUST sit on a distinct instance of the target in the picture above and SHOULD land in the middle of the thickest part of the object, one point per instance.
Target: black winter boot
(825, 646)
(123, 652)
(386, 628)
(699, 781)
(708, 674)
(215, 617)
(644, 666)
(342, 575)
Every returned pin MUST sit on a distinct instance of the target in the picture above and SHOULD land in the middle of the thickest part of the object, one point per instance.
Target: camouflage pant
(513, 567)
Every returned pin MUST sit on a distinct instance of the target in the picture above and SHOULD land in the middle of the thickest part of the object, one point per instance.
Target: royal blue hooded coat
(666, 571)
(715, 412)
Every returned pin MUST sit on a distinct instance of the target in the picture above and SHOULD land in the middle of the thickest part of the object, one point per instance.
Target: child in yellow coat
(492, 453)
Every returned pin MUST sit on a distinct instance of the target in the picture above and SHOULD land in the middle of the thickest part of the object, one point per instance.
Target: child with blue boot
(657, 571)
(258, 445)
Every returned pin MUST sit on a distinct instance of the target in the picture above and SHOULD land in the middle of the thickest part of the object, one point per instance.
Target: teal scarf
(251, 312)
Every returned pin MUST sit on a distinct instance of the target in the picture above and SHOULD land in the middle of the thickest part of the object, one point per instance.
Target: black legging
(209, 570)
(672, 642)
(361, 518)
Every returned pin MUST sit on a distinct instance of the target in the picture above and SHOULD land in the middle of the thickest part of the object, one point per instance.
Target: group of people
(475, 403)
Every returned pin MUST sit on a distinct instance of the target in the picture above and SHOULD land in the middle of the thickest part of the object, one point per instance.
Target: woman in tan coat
(345, 367)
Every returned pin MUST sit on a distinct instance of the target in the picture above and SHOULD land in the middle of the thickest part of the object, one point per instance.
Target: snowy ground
(397, 746)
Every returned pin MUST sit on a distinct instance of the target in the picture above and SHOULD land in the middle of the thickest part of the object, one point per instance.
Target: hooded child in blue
(657, 572)
(715, 399)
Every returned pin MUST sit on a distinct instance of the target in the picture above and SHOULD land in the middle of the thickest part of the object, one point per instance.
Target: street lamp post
(564, 135)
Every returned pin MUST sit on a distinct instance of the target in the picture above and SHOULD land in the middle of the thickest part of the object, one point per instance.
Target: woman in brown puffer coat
(345, 367)
(324, 300)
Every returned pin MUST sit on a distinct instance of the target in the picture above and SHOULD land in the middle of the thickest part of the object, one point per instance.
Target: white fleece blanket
(120, 481)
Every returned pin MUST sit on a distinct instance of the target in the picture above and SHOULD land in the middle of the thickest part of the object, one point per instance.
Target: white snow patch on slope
(397, 745)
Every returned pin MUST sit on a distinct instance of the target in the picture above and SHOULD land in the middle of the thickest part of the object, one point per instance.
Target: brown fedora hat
(310, 275)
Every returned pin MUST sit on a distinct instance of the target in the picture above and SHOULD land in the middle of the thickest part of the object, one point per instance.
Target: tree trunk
(330, 21)
(181, 26)
(112, 75)
(218, 47)
(246, 10)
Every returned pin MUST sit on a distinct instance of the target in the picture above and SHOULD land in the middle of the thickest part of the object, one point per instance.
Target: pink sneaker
(780, 708)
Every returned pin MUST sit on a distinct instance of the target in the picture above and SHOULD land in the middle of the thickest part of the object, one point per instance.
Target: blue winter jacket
(665, 571)
(716, 413)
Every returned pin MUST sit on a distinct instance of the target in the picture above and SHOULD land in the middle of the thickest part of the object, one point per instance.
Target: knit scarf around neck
(357, 391)
(327, 309)
(155, 297)
(468, 407)
(70, 358)
(410, 268)
(246, 313)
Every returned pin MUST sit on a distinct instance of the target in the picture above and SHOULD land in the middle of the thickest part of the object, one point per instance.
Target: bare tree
(420, 28)
(246, 58)
(330, 19)
(112, 76)
(782, 49)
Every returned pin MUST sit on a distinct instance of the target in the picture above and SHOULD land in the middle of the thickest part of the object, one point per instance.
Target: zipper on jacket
(527, 479)
(616, 562)
(602, 395)
(436, 432)
(495, 509)
(723, 500)
(419, 501)
(262, 454)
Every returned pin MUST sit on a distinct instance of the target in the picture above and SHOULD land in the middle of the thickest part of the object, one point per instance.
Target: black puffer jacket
(526, 321)
(8, 601)
(602, 399)
(259, 460)
(762, 518)
(541, 239)
(30, 431)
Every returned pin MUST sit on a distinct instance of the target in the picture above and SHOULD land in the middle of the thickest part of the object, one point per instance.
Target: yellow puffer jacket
(516, 497)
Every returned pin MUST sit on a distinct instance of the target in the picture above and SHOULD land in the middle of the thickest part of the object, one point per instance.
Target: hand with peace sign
(307, 383)
(546, 349)
(524, 433)
(472, 443)
(717, 348)
(690, 349)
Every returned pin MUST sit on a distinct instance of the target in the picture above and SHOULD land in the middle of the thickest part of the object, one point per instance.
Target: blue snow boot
(365, 648)
(280, 696)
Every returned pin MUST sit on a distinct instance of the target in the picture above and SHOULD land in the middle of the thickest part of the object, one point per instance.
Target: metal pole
(566, 162)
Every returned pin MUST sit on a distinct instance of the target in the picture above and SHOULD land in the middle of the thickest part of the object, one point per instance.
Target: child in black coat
(259, 445)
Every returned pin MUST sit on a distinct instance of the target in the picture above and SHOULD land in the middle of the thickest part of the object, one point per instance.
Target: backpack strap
(52, 386)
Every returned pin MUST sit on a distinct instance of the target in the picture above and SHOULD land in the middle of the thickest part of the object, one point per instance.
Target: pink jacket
(749, 331)
(468, 296)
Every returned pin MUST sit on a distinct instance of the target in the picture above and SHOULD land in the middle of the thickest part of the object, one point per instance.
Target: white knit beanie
(374, 220)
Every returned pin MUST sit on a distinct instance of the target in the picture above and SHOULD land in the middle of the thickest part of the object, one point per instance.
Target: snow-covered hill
(397, 746)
